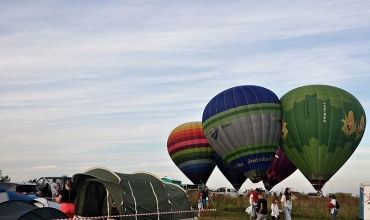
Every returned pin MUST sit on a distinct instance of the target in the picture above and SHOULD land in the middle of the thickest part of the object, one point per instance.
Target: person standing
(67, 197)
(200, 204)
(251, 196)
(286, 203)
(275, 211)
(261, 207)
(205, 197)
(255, 200)
(54, 189)
(333, 209)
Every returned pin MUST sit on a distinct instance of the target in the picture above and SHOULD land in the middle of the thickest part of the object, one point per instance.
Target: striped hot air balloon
(190, 151)
(243, 126)
(321, 128)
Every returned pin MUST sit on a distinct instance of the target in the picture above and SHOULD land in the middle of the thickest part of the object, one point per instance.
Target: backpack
(337, 206)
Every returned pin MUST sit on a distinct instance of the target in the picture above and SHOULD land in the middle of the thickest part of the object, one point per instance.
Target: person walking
(333, 207)
(67, 197)
(261, 207)
(200, 204)
(251, 202)
(205, 198)
(286, 203)
(275, 211)
(54, 190)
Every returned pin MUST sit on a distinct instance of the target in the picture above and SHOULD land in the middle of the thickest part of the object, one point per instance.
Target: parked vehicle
(28, 189)
(314, 195)
(224, 191)
(9, 185)
(44, 184)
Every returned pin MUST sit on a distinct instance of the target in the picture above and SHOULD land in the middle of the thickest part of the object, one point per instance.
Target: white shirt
(54, 189)
(251, 199)
(287, 203)
(334, 202)
(274, 209)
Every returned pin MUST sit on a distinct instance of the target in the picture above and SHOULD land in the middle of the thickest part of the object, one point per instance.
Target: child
(261, 207)
(275, 209)
(200, 203)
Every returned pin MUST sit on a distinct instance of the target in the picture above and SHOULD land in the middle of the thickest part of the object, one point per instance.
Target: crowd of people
(259, 209)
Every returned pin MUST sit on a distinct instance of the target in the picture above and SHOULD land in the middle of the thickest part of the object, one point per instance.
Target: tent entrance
(93, 201)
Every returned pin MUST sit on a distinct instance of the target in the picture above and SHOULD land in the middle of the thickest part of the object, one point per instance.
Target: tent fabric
(14, 209)
(41, 202)
(22, 210)
(43, 213)
(101, 191)
(177, 200)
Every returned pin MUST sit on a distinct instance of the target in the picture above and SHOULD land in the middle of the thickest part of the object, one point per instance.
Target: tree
(4, 178)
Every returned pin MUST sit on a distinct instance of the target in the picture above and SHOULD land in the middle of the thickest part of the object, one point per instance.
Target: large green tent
(104, 192)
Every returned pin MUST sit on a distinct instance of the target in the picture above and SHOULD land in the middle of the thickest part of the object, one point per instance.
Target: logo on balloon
(284, 131)
(215, 134)
(349, 124)
(259, 159)
(324, 117)
(360, 127)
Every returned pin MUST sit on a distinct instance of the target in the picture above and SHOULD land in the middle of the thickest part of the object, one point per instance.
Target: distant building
(169, 180)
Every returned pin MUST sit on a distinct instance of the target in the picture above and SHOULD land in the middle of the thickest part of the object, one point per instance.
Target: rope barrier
(131, 215)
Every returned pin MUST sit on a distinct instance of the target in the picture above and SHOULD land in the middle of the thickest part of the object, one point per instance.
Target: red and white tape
(130, 215)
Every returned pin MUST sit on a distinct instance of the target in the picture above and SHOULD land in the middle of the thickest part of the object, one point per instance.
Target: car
(9, 185)
(314, 195)
(28, 189)
(44, 184)
(224, 191)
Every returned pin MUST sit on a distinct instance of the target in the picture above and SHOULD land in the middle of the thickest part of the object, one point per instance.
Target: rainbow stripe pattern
(190, 151)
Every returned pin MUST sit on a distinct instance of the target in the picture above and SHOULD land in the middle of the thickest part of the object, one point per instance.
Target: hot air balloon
(191, 152)
(235, 177)
(280, 169)
(242, 125)
(321, 128)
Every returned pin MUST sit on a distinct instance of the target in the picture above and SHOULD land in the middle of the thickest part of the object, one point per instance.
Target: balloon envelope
(280, 169)
(242, 125)
(232, 175)
(321, 128)
(191, 152)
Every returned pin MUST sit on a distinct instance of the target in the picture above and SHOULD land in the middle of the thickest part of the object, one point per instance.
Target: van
(224, 191)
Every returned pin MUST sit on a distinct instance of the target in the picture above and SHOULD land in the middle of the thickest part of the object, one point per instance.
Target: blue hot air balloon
(235, 177)
(242, 124)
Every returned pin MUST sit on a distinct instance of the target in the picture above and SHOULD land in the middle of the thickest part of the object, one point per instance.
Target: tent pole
(108, 211)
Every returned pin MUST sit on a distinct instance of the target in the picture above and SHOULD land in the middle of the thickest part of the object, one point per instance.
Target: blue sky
(93, 83)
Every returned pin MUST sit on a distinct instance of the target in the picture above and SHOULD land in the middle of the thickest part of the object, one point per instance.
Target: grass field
(303, 208)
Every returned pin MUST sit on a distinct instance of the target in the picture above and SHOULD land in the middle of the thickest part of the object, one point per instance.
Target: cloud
(40, 168)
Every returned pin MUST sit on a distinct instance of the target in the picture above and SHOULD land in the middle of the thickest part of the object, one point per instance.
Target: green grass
(303, 208)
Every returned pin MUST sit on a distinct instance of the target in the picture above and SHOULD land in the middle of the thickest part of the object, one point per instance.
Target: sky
(103, 83)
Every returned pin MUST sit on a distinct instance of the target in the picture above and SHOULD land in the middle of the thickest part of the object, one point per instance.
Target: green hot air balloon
(321, 128)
